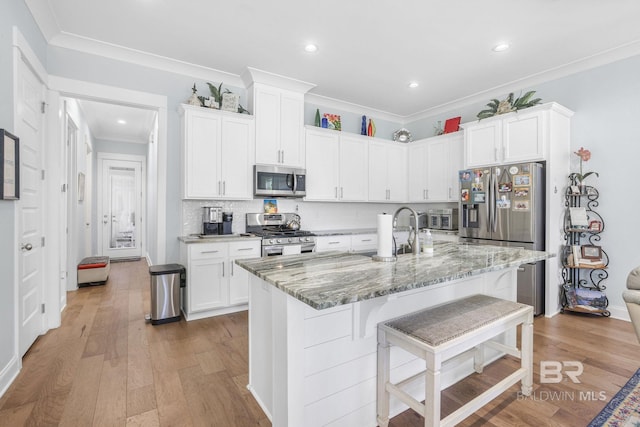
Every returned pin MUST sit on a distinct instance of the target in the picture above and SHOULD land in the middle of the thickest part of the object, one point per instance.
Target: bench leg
(526, 360)
(478, 358)
(432, 391)
(384, 368)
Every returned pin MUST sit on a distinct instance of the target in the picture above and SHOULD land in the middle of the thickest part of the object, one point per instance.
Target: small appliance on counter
(227, 223)
(443, 219)
(212, 220)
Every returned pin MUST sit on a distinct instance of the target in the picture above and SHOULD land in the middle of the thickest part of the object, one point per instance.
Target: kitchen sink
(401, 250)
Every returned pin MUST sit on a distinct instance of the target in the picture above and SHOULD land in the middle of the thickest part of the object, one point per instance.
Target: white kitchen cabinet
(433, 168)
(279, 126)
(387, 172)
(217, 153)
(516, 137)
(336, 166)
(214, 284)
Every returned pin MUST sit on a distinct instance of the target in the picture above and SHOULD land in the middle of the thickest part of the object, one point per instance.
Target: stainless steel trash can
(166, 281)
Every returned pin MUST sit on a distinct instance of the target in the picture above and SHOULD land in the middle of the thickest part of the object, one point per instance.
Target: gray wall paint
(14, 12)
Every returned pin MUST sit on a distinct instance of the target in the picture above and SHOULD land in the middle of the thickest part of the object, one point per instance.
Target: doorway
(121, 191)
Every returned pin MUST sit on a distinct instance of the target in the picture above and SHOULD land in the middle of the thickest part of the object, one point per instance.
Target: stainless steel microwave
(278, 181)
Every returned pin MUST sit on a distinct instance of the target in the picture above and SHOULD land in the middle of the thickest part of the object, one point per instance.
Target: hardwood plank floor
(106, 366)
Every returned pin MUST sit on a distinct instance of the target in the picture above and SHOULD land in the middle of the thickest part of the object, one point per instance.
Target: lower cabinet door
(207, 282)
(238, 283)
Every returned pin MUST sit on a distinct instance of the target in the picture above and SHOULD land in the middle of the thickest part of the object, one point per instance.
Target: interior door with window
(121, 208)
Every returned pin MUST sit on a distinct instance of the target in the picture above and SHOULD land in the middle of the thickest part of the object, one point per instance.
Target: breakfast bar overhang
(313, 320)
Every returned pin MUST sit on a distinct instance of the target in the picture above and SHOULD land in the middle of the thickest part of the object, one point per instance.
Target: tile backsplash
(315, 216)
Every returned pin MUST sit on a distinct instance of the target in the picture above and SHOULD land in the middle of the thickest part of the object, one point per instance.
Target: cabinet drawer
(208, 250)
(250, 248)
(333, 243)
(364, 241)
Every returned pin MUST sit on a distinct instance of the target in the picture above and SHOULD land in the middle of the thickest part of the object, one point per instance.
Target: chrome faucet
(415, 246)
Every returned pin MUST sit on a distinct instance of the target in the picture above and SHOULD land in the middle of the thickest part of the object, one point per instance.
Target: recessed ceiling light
(413, 85)
(500, 47)
(311, 48)
(122, 122)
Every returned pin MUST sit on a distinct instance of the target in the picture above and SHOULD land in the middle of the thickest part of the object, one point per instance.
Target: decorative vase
(363, 129)
(317, 121)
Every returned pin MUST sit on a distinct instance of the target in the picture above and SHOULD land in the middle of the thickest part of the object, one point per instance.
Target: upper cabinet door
(378, 166)
(523, 137)
(482, 142)
(354, 166)
(267, 112)
(237, 157)
(292, 129)
(397, 177)
(438, 172)
(417, 171)
(201, 151)
(322, 165)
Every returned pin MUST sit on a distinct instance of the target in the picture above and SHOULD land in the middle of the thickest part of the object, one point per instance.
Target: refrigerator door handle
(494, 216)
(489, 203)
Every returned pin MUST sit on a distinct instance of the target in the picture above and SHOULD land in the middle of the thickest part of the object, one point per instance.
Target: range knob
(279, 240)
(271, 241)
(290, 239)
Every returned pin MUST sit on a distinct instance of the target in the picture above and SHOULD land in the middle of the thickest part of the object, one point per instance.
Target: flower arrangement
(584, 155)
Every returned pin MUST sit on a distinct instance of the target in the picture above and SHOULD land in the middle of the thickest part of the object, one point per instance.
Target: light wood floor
(105, 366)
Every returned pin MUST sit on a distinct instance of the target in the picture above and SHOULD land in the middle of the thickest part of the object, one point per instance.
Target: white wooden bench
(441, 333)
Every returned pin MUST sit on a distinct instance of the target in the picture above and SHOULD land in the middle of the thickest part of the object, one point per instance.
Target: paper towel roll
(385, 235)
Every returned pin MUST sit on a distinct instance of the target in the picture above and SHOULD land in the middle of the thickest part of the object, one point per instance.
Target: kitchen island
(313, 317)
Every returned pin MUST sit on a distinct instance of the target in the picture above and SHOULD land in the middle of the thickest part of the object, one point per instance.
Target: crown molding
(21, 43)
(145, 59)
(603, 58)
(253, 75)
(352, 108)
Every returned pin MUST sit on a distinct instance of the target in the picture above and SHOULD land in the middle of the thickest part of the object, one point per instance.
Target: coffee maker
(211, 220)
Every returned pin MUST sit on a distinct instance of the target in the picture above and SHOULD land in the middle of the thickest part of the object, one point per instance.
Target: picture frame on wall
(10, 164)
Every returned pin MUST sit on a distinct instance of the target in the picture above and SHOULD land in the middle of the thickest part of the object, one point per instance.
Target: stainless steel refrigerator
(504, 205)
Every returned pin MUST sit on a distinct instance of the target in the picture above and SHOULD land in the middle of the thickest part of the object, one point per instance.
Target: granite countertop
(195, 238)
(328, 279)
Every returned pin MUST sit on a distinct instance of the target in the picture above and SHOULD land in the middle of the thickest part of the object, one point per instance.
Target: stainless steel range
(281, 234)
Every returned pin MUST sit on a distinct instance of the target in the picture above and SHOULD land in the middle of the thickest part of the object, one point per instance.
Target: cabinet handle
(224, 188)
(504, 153)
(219, 187)
(335, 191)
(495, 154)
(365, 240)
(209, 252)
(427, 191)
(282, 157)
(341, 192)
(222, 268)
(424, 194)
(231, 262)
(388, 193)
(245, 249)
(449, 192)
(333, 243)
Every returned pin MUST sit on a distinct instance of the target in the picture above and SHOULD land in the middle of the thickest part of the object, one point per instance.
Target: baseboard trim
(9, 374)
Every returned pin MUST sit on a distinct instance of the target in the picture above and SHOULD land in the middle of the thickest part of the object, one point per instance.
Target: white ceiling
(105, 121)
(368, 50)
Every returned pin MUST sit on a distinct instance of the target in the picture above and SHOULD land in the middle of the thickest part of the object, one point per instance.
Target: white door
(121, 208)
(354, 166)
(88, 197)
(30, 130)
